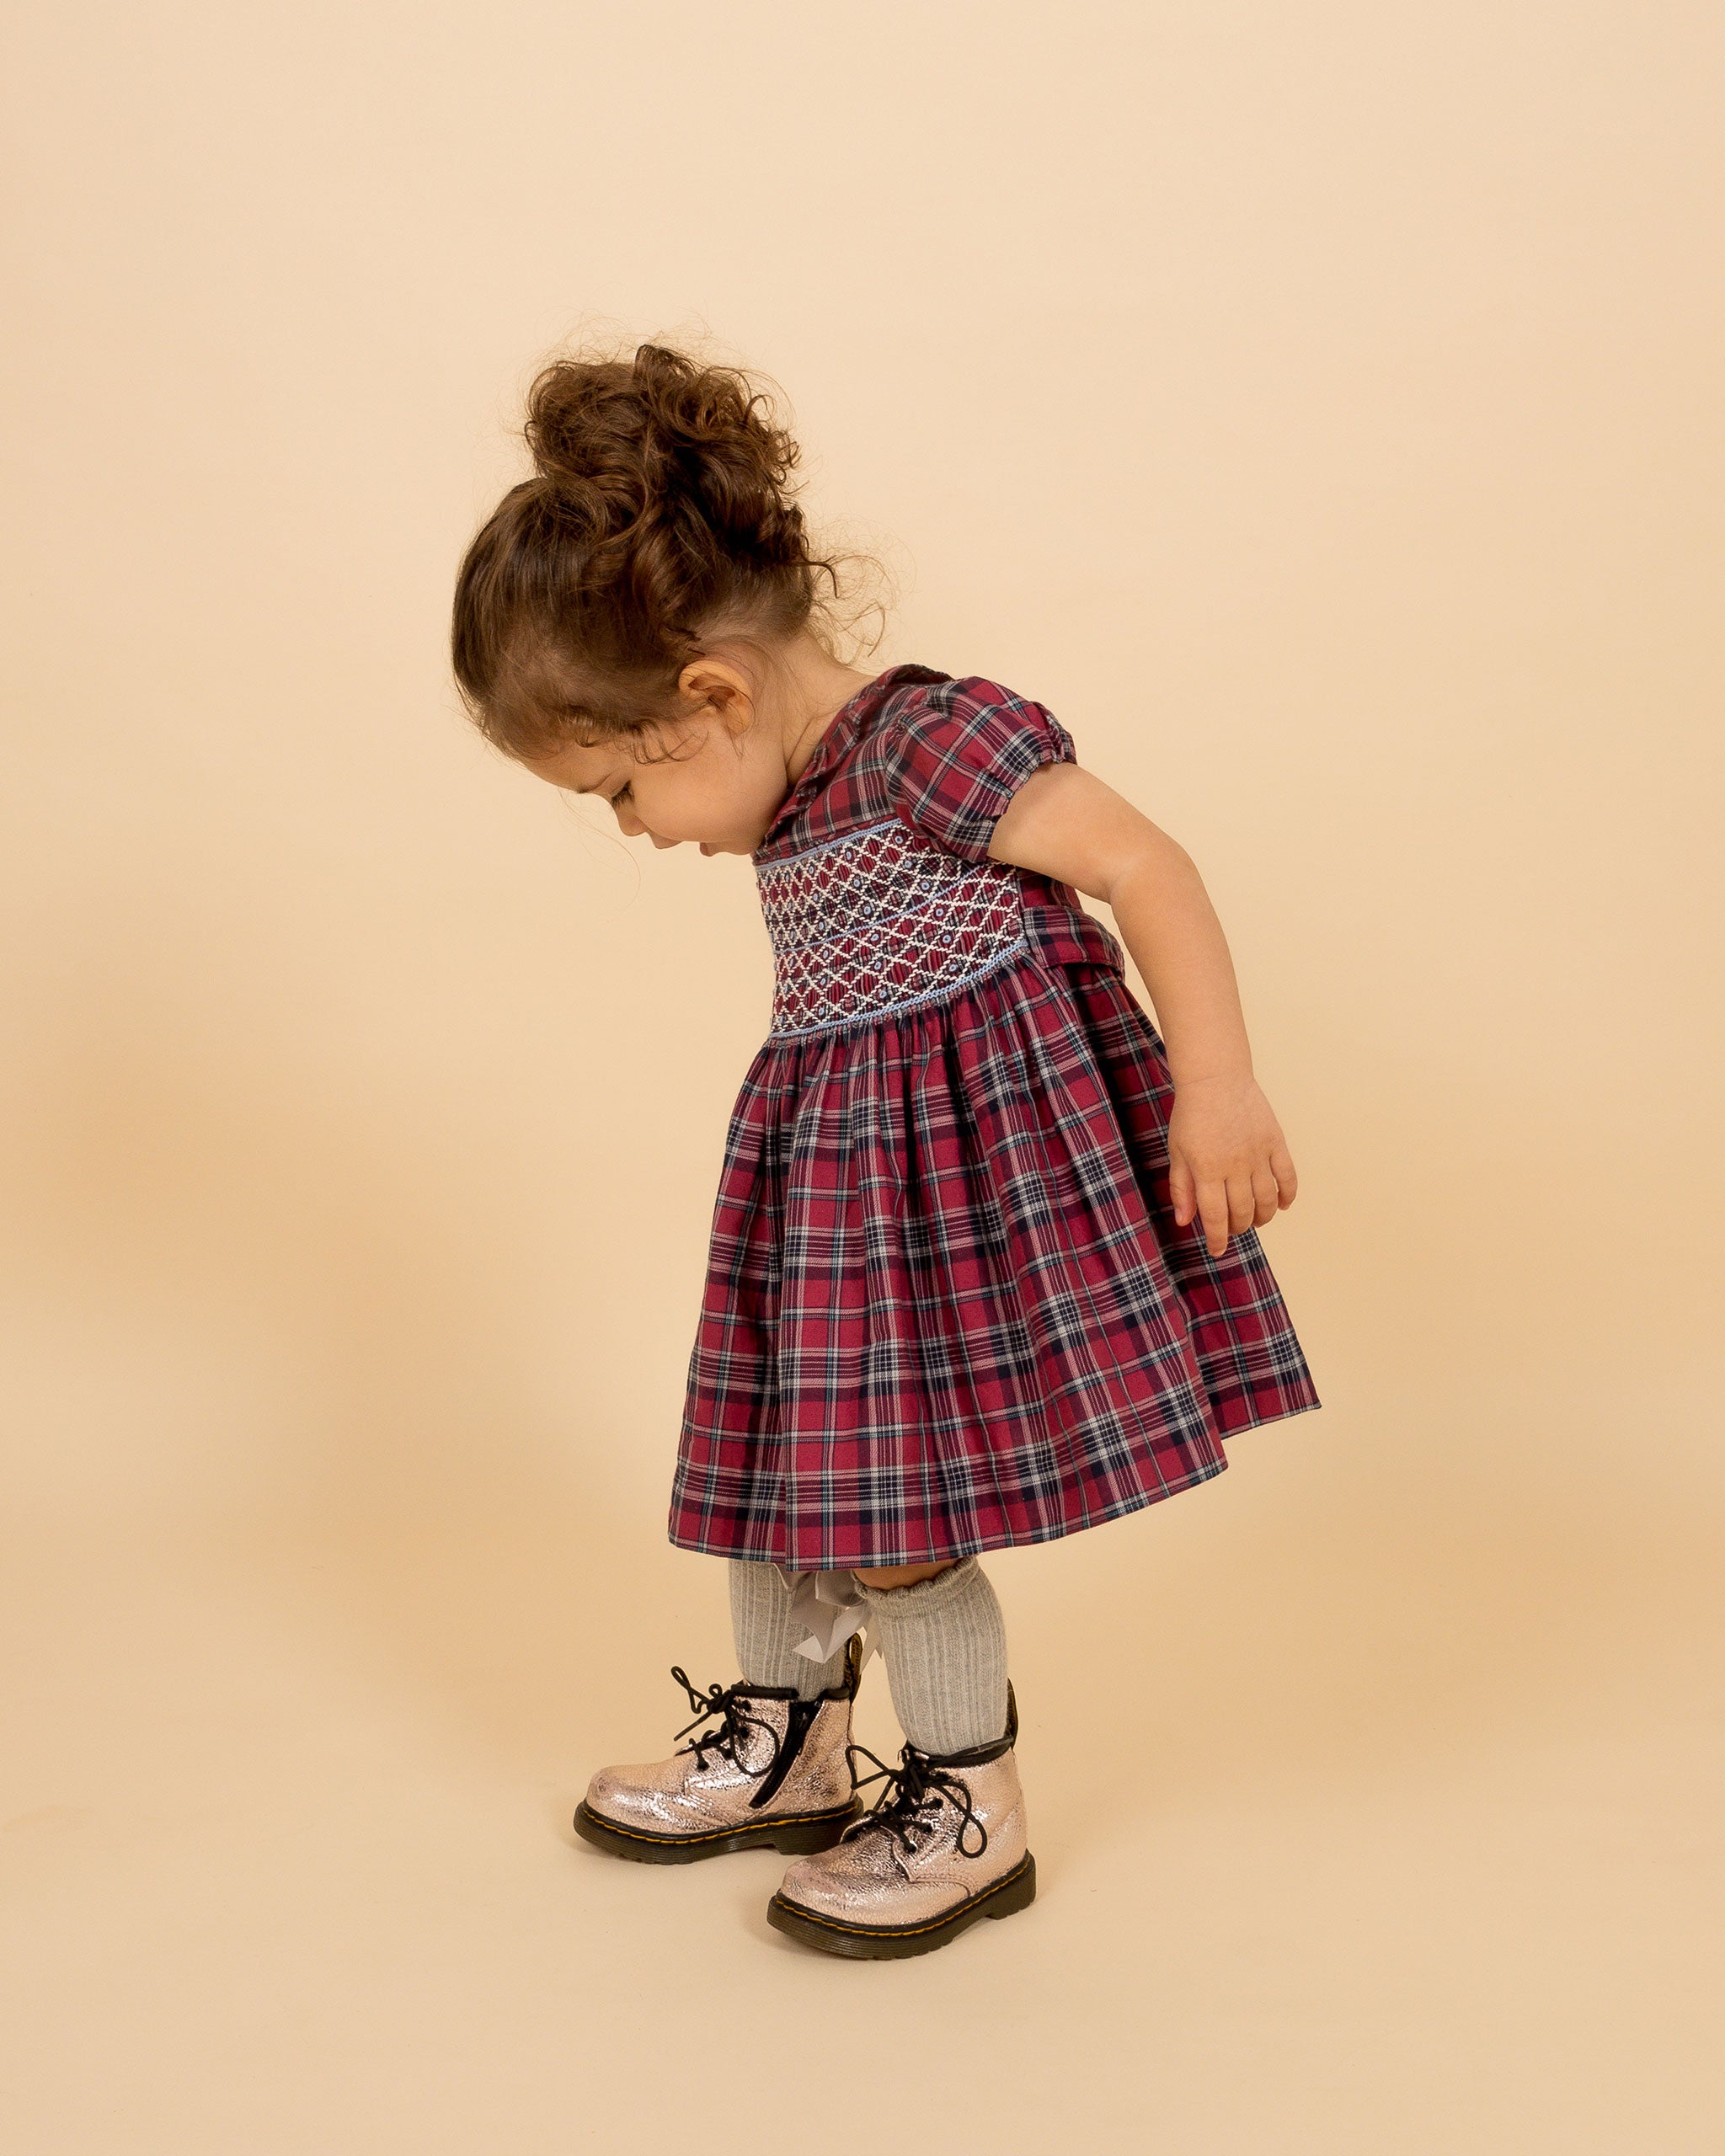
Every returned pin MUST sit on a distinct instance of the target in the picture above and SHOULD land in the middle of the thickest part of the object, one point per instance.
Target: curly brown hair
(660, 510)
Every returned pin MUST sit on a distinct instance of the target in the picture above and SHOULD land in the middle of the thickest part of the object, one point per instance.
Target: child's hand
(1229, 1162)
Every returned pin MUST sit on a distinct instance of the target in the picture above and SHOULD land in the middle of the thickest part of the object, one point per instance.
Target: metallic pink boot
(773, 1773)
(943, 1846)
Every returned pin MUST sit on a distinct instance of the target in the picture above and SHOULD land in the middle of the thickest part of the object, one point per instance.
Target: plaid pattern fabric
(942, 757)
(946, 1308)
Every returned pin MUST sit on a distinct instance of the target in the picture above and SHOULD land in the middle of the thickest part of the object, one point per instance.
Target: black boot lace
(733, 1718)
(910, 1804)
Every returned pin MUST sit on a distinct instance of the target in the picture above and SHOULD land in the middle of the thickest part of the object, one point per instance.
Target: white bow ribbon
(829, 1608)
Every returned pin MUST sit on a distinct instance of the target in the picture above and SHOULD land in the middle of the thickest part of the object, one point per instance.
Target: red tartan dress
(948, 1308)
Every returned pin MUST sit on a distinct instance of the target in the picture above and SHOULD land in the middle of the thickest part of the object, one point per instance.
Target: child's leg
(767, 1637)
(944, 1643)
(945, 1842)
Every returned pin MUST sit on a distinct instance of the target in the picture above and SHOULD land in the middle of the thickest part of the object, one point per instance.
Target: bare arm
(1229, 1161)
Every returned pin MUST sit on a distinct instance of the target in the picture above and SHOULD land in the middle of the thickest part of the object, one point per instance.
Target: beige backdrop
(1318, 406)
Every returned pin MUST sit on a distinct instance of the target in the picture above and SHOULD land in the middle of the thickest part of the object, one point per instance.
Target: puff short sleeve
(962, 750)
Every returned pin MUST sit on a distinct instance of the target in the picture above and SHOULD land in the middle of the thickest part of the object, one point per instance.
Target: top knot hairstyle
(659, 512)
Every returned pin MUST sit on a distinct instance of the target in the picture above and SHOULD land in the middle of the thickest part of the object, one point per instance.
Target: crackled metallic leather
(869, 1878)
(681, 1796)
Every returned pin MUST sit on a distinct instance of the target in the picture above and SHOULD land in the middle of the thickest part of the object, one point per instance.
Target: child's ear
(713, 685)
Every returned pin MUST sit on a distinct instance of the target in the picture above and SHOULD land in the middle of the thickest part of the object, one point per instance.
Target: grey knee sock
(944, 1643)
(766, 1639)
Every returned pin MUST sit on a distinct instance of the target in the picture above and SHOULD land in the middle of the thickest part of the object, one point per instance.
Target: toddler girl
(984, 1267)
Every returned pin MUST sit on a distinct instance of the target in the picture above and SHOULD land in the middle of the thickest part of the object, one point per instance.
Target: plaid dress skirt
(948, 1307)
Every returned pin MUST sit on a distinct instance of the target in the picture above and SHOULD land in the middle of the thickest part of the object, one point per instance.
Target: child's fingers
(1181, 1190)
(1212, 1209)
(1265, 1196)
(1282, 1168)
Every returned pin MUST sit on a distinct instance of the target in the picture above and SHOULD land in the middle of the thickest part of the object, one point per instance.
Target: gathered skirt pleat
(948, 1308)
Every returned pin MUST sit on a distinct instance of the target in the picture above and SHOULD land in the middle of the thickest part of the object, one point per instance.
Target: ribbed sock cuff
(944, 1644)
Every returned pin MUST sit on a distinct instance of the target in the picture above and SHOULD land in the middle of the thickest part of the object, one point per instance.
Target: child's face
(706, 784)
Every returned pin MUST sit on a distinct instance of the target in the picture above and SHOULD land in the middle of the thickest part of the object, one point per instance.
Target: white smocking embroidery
(880, 921)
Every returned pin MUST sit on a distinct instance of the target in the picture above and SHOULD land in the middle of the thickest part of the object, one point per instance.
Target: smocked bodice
(880, 921)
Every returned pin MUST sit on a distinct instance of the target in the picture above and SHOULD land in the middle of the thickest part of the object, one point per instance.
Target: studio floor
(288, 1868)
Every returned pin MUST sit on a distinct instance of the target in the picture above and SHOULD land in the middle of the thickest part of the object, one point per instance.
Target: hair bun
(663, 440)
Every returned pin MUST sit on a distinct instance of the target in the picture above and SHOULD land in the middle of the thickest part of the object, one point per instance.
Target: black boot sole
(889, 1942)
(795, 1834)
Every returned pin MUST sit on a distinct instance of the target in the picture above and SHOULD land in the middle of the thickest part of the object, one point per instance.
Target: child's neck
(799, 692)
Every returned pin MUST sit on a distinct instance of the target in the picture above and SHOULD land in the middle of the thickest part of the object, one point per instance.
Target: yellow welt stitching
(716, 1833)
(903, 1930)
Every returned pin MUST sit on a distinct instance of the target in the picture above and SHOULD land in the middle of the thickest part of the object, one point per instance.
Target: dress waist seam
(1019, 949)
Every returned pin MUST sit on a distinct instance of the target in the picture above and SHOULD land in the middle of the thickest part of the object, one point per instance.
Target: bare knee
(885, 1576)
